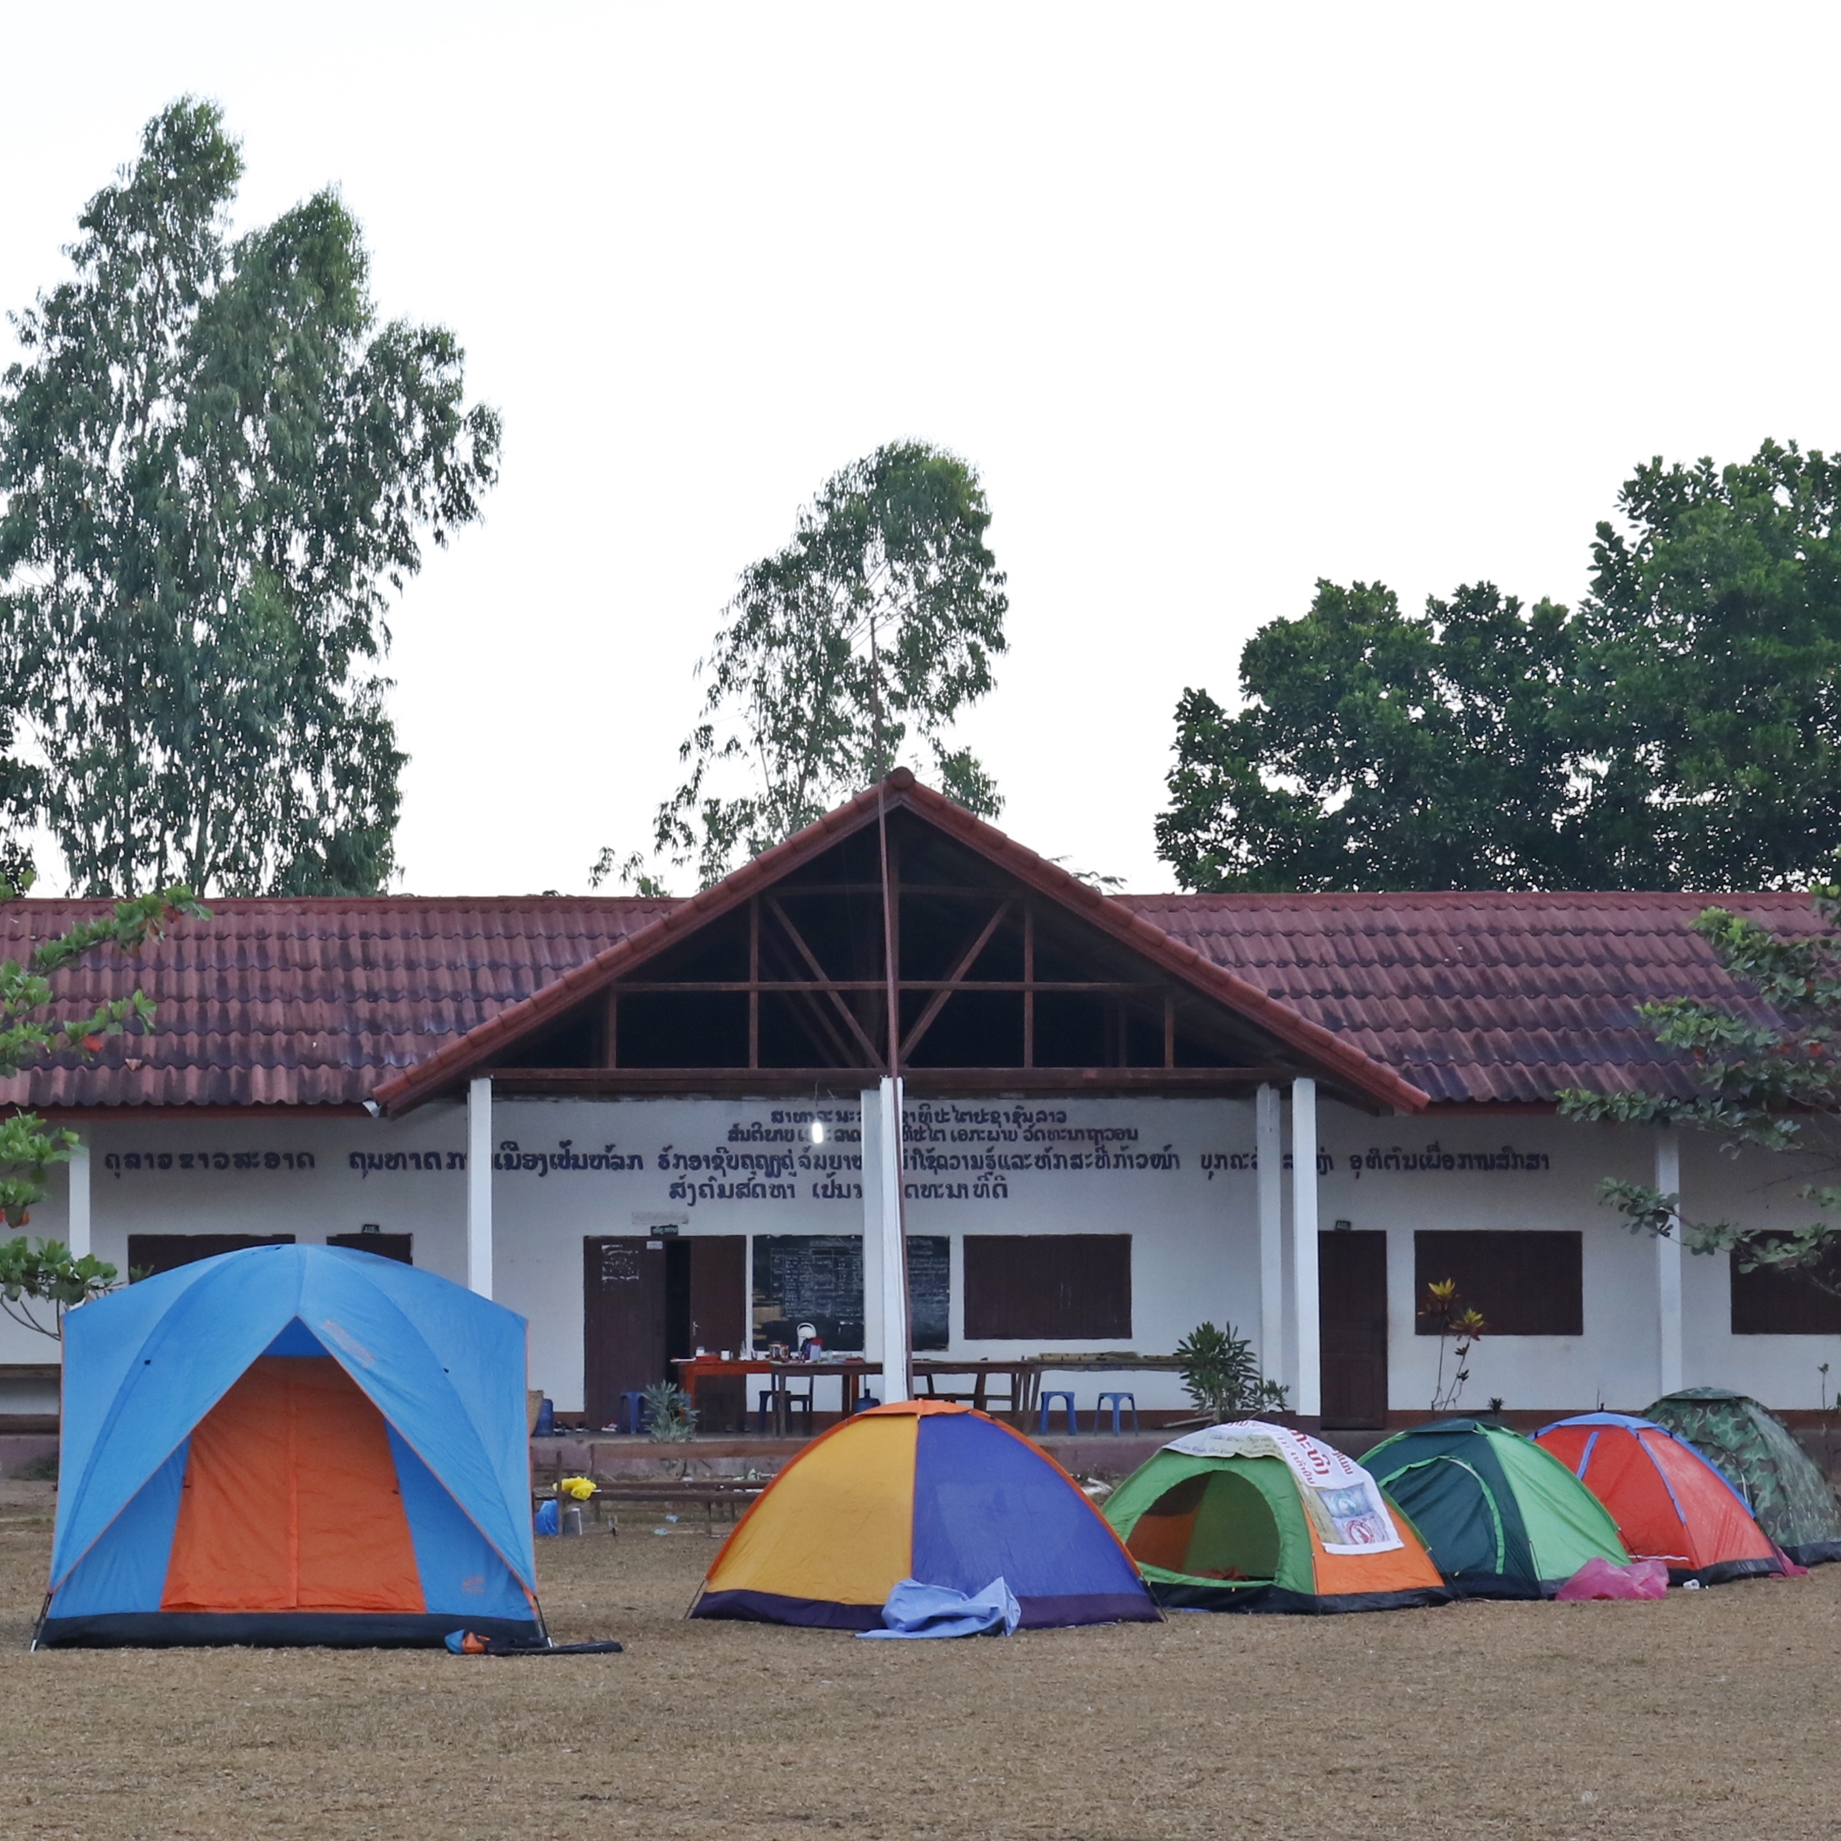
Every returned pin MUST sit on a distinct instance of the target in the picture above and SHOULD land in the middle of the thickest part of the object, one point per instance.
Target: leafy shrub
(670, 1417)
(1221, 1374)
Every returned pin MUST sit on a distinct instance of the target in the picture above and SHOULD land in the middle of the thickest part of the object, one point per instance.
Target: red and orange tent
(1668, 1502)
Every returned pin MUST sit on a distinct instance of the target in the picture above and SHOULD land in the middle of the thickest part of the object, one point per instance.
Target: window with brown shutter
(1024, 1287)
(151, 1253)
(1524, 1284)
(1773, 1302)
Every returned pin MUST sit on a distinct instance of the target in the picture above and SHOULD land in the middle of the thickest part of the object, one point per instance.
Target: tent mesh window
(1217, 1526)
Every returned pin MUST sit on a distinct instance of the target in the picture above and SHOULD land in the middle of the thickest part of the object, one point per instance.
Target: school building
(654, 1125)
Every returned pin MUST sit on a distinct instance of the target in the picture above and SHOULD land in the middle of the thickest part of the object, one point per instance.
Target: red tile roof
(1468, 997)
(313, 1003)
(1479, 997)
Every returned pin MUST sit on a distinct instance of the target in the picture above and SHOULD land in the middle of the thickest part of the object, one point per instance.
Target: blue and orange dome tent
(292, 1444)
(926, 1490)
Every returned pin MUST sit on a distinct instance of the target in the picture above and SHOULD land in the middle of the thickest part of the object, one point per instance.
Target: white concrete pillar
(1668, 1269)
(872, 1228)
(1307, 1401)
(1269, 1153)
(479, 1186)
(896, 1352)
(77, 1224)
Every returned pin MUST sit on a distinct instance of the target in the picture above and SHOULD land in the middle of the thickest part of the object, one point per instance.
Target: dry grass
(1710, 1714)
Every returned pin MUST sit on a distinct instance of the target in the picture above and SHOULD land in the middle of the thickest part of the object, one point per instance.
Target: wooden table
(1124, 1363)
(849, 1371)
(1024, 1377)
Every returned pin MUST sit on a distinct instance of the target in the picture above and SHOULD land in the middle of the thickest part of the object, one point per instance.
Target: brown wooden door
(1352, 1322)
(623, 1320)
(719, 1320)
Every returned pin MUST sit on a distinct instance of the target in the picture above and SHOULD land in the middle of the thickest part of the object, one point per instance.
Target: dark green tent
(1501, 1517)
(1758, 1455)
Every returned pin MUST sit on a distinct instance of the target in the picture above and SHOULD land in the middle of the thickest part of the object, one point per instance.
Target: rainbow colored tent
(924, 1490)
(292, 1444)
(1668, 1502)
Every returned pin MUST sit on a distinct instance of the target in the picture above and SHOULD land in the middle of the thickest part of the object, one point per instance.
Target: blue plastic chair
(1048, 1406)
(1130, 1401)
(633, 1412)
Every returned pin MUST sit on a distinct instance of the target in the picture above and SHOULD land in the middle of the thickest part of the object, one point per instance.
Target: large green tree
(214, 466)
(1382, 750)
(863, 638)
(19, 796)
(1712, 693)
(1680, 729)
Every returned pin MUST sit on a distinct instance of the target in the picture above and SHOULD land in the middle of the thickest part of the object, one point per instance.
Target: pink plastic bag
(1599, 1578)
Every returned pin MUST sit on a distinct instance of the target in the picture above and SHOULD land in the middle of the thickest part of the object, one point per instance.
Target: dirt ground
(1712, 1713)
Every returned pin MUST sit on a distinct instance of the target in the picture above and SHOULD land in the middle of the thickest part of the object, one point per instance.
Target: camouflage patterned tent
(1757, 1454)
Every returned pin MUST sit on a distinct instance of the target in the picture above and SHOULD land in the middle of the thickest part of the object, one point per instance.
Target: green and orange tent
(1256, 1517)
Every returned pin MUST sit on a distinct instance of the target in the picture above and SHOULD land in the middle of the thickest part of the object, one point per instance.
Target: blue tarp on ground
(917, 1610)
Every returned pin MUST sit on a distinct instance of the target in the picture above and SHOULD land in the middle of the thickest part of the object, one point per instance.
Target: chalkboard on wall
(809, 1278)
(929, 1289)
(818, 1279)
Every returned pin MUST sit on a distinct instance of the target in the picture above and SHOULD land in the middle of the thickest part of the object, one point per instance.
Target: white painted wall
(1181, 1221)
(1615, 1361)
(748, 1167)
(1780, 1370)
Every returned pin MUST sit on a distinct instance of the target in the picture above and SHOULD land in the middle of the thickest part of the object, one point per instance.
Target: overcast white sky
(1218, 299)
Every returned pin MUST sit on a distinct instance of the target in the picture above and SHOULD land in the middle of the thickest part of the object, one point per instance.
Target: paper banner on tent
(1343, 1501)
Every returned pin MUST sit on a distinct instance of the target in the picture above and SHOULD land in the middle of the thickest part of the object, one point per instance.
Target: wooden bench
(613, 1496)
(31, 1378)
